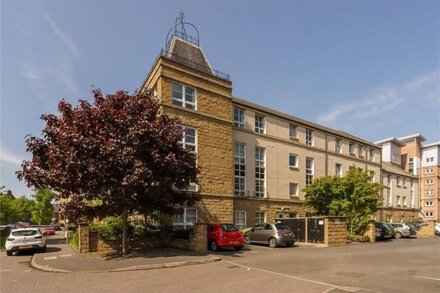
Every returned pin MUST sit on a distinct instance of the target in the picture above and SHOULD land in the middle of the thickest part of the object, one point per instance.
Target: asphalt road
(403, 265)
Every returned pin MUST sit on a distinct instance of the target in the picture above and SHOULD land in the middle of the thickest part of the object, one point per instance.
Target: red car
(48, 230)
(224, 235)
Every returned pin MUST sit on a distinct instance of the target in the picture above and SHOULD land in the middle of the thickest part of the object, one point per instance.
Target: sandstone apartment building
(255, 161)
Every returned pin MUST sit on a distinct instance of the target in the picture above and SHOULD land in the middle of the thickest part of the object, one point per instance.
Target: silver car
(272, 234)
(402, 230)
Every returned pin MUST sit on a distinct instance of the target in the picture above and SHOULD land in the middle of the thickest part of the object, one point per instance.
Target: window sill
(294, 138)
(294, 168)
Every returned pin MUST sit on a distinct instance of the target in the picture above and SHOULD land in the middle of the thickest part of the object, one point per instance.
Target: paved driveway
(404, 265)
(400, 265)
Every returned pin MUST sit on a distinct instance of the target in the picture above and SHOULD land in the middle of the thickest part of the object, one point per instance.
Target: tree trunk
(124, 232)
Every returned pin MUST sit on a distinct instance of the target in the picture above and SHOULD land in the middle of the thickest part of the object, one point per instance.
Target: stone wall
(427, 230)
(370, 231)
(83, 238)
(335, 232)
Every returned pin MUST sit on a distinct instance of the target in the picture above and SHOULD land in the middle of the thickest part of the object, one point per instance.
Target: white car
(437, 229)
(25, 239)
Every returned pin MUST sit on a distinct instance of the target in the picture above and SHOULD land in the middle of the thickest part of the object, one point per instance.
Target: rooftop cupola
(185, 49)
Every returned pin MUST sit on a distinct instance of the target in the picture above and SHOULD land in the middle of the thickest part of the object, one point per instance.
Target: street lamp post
(66, 227)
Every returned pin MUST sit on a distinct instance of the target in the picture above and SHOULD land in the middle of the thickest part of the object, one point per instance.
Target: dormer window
(184, 96)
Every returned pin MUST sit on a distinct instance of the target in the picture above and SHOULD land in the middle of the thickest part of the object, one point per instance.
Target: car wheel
(289, 244)
(398, 235)
(247, 240)
(238, 248)
(273, 243)
(9, 252)
(213, 246)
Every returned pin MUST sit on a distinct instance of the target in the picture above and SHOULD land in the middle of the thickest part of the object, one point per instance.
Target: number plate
(25, 246)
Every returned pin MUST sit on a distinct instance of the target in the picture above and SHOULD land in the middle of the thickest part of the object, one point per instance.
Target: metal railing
(195, 65)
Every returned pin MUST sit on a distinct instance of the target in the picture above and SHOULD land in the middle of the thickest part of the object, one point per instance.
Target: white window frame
(411, 165)
(398, 200)
(296, 161)
(240, 168)
(429, 203)
(239, 117)
(296, 189)
(429, 171)
(404, 201)
(429, 214)
(182, 101)
(398, 181)
(429, 181)
(429, 192)
(361, 151)
(338, 145)
(240, 219)
(309, 171)
(260, 172)
(293, 131)
(371, 155)
(352, 148)
(309, 137)
(182, 220)
(338, 171)
(260, 124)
(260, 217)
(184, 141)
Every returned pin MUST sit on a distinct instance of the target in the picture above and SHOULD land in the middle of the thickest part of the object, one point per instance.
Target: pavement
(62, 258)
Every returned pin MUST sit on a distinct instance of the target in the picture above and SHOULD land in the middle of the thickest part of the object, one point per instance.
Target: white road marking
(349, 289)
(428, 278)
(65, 255)
(50, 257)
(5, 270)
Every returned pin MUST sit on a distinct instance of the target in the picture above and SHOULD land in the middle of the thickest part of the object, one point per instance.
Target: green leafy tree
(43, 210)
(6, 210)
(354, 196)
(22, 208)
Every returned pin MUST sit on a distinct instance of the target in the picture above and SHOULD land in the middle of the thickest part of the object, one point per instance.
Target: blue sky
(371, 68)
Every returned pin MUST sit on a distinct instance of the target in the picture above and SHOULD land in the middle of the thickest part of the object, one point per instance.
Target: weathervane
(180, 30)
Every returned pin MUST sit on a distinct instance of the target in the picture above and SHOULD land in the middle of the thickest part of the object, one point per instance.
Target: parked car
(416, 225)
(48, 230)
(25, 239)
(437, 229)
(272, 234)
(413, 228)
(402, 230)
(382, 231)
(57, 227)
(392, 230)
(224, 235)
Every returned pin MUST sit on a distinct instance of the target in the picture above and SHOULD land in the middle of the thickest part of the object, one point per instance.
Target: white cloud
(64, 37)
(8, 157)
(54, 72)
(423, 89)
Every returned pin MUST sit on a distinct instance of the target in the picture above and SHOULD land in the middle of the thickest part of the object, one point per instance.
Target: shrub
(357, 238)
(109, 228)
(74, 240)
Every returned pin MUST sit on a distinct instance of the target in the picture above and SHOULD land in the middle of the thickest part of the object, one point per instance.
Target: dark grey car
(271, 234)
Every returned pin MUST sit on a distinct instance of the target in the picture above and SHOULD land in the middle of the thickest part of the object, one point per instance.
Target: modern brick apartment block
(430, 182)
(255, 161)
(414, 159)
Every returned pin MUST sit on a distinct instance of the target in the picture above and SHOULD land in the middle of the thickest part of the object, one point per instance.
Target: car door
(256, 234)
(268, 233)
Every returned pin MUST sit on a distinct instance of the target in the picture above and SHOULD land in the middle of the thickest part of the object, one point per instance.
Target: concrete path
(60, 257)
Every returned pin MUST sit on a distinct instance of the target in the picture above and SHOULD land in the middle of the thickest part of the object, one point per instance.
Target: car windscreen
(228, 228)
(282, 226)
(24, 233)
